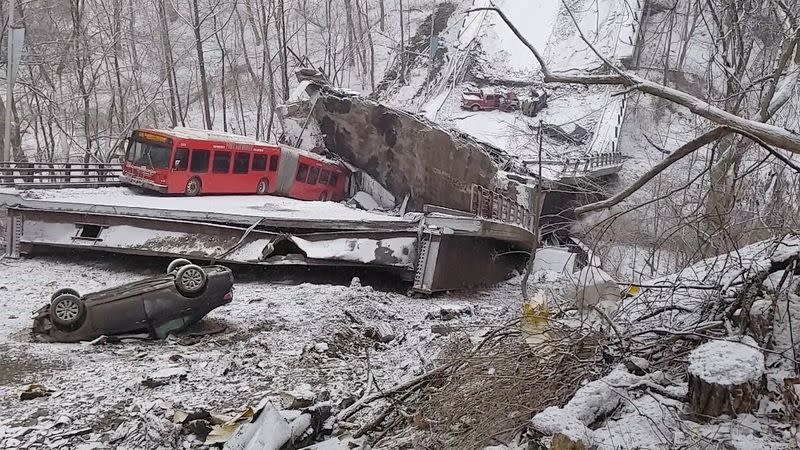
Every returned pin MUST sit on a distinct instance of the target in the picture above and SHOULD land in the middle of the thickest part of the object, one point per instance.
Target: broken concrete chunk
(441, 330)
(450, 312)
(301, 396)
(355, 282)
(32, 391)
(321, 347)
(381, 333)
(165, 376)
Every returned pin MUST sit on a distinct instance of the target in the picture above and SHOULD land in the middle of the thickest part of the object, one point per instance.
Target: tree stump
(725, 378)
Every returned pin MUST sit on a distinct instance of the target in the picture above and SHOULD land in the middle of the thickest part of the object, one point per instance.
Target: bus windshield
(150, 155)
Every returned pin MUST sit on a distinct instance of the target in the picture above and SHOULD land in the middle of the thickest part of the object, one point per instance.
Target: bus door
(179, 169)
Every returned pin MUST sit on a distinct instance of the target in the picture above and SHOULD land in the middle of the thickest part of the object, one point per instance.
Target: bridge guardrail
(56, 175)
(488, 204)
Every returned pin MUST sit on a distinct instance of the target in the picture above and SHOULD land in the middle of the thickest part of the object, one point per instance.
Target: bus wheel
(193, 187)
(263, 186)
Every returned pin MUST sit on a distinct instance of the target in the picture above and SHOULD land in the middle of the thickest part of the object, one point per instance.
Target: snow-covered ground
(269, 345)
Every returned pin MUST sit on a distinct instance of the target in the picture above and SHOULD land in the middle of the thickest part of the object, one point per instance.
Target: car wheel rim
(192, 279)
(67, 310)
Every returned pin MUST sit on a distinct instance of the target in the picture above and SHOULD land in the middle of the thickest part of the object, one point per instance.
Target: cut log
(725, 378)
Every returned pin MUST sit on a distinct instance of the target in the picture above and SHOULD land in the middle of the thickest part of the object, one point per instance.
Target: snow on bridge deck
(234, 208)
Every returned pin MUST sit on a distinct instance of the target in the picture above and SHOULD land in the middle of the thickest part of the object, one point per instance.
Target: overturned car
(157, 306)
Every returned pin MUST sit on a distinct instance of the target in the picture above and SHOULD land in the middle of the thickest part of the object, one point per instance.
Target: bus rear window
(240, 162)
(222, 162)
(313, 174)
(259, 163)
(302, 173)
(199, 162)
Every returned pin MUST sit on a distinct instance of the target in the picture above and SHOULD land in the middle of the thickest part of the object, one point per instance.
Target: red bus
(193, 162)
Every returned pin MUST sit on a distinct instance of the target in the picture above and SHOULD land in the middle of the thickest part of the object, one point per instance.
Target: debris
(594, 400)
(576, 134)
(180, 416)
(165, 376)
(224, 431)
(33, 391)
(381, 333)
(301, 396)
(725, 377)
(450, 312)
(364, 201)
(441, 329)
(563, 442)
(199, 427)
(591, 286)
(534, 324)
(78, 432)
(355, 282)
(320, 347)
(269, 431)
(333, 443)
(100, 340)
(637, 365)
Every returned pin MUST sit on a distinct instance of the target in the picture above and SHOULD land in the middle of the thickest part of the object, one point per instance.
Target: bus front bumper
(141, 182)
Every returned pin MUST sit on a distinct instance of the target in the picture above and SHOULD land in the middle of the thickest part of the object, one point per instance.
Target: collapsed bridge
(437, 249)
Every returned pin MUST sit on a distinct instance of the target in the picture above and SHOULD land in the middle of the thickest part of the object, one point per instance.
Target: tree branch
(770, 134)
(673, 157)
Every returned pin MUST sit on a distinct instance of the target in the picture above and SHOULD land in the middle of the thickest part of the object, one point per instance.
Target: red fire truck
(193, 162)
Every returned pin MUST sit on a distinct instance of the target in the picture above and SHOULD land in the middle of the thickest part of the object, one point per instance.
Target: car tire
(263, 187)
(67, 311)
(57, 293)
(193, 187)
(475, 108)
(191, 280)
(176, 264)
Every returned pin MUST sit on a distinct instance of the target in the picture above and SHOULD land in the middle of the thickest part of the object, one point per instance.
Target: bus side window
(222, 162)
(259, 163)
(199, 162)
(273, 162)
(334, 179)
(181, 159)
(302, 172)
(324, 176)
(313, 174)
(241, 162)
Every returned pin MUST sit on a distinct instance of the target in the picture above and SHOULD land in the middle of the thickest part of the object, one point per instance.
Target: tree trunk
(201, 64)
(724, 378)
(402, 46)
(173, 95)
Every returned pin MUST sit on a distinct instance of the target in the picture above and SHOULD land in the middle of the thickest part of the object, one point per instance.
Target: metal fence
(588, 164)
(58, 175)
(489, 204)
